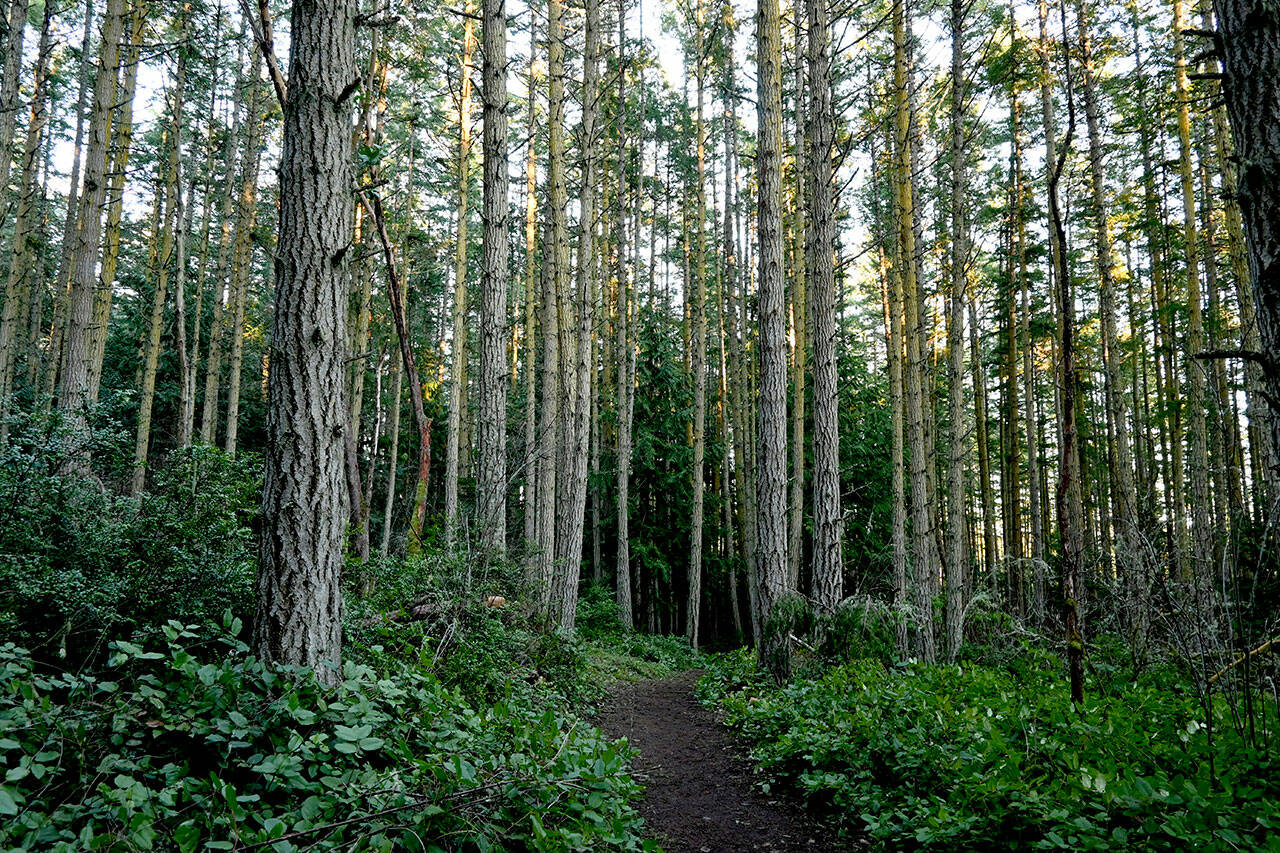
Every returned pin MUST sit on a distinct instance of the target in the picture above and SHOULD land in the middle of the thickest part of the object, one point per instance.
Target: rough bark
(20, 283)
(699, 320)
(10, 74)
(820, 264)
(626, 363)
(771, 463)
(923, 548)
(458, 360)
(578, 344)
(492, 502)
(1250, 47)
(304, 499)
(957, 558)
(75, 356)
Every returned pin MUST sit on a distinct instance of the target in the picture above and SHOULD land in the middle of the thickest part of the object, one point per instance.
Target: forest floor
(700, 795)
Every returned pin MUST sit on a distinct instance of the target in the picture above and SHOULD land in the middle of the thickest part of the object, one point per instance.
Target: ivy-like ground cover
(184, 741)
(970, 758)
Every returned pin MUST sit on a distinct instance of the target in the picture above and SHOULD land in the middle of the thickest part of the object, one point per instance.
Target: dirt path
(699, 793)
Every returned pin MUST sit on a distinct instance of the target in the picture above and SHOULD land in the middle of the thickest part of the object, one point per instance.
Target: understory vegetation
(455, 725)
(990, 753)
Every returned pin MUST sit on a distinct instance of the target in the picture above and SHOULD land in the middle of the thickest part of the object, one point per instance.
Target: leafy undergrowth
(456, 732)
(963, 758)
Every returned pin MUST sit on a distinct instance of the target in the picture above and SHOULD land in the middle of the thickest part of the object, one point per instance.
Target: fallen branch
(1260, 650)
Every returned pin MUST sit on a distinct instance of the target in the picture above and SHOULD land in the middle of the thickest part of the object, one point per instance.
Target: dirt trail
(699, 792)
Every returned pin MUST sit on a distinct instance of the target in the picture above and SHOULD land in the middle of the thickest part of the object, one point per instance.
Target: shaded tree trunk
(492, 503)
(304, 497)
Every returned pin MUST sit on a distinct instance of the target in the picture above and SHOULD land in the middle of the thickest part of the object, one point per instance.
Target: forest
(622, 425)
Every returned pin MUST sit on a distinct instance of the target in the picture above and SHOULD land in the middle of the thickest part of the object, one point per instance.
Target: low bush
(963, 758)
(184, 741)
(81, 564)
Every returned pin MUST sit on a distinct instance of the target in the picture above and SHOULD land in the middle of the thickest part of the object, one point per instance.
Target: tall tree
(20, 282)
(924, 551)
(827, 523)
(304, 504)
(771, 464)
(172, 187)
(75, 355)
(957, 556)
(698, 319)
(625, 353)
(1249, 43)
(458, 364)
(492, 501)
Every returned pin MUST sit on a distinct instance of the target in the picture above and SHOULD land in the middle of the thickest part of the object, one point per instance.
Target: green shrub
(951, 758)
(80, 564)
(599, 616)
(189, 743)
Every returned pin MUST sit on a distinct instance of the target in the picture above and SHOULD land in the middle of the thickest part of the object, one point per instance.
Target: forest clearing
(636, 425)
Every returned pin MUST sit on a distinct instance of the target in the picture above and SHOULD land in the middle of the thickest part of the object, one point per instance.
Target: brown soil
(700, 795)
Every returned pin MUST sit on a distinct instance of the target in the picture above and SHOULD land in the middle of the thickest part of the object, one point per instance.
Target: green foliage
(82, 564)
(861, 627)
(950, 758)
(186, 742)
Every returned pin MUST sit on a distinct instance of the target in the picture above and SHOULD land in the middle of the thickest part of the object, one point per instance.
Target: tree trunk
(771, 465)
(10, 74)
(1250, 47)
(1068, 502)
(304, 499)
(242, 259)
(626, 358)
(237, 136)
(531, 457)
(458, 361)
(828, 565)
(799, 318)
(492, 501)
(172, 223)
(70, 228)
(923, 543)
(699, 320)
(75, 354)
(957, 559)
(578, 345)
(20, 282)
(1127, 545)
(1203, 534)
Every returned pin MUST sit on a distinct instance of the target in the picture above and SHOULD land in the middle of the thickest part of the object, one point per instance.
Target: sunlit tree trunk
(458, 361)
(1203, 534)
(923, 547)
(242, 257)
